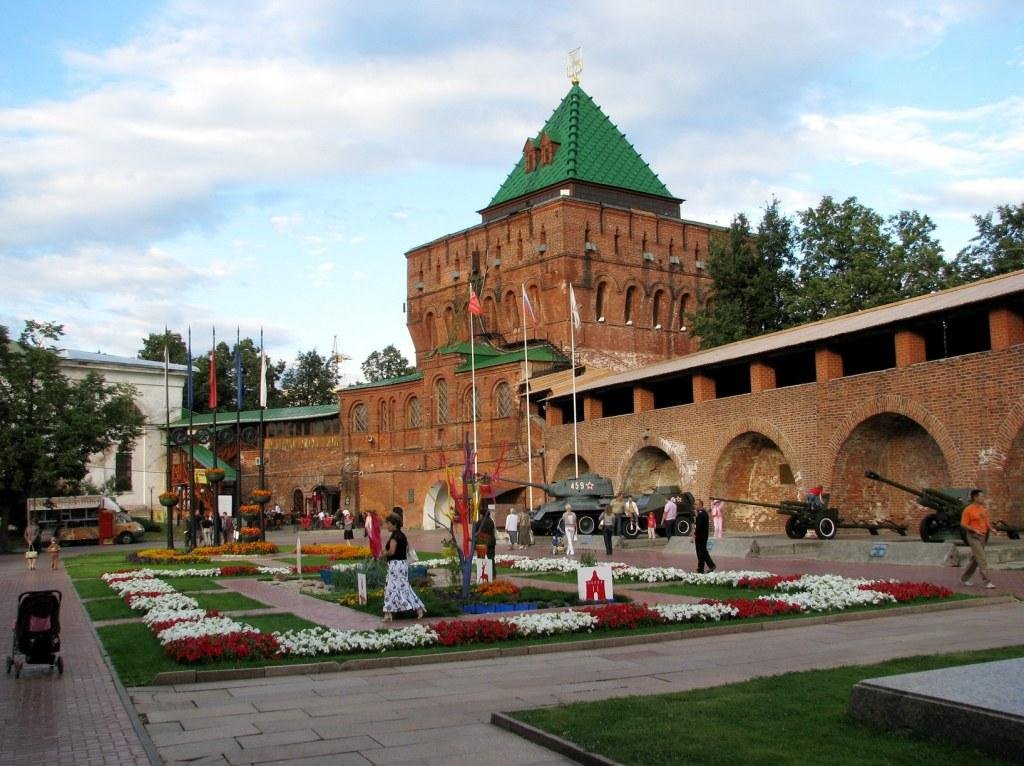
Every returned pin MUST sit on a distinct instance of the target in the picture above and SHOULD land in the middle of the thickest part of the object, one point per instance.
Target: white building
(141, 473)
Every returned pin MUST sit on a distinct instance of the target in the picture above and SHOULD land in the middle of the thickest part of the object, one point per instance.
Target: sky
(268, 164)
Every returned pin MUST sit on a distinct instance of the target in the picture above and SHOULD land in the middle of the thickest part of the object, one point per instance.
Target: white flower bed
(207, 626)
(552, 623)
(820, 593)
(165, 602)
(163, 615)
(695, 612)
(314, 641)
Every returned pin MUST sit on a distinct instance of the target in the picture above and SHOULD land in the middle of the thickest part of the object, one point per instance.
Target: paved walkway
(434, 714)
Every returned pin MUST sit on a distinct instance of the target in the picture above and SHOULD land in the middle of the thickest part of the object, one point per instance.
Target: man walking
(974, 521)
(668, 517)
(700, 540)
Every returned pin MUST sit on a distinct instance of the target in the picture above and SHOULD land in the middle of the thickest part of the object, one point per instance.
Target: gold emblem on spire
(575, 65)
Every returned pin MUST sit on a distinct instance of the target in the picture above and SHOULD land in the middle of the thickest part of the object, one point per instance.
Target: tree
(750, 280)
(998, 248)
(311, 381)
(386, 364)
(50, 425)
(153, 347)
(916, 255)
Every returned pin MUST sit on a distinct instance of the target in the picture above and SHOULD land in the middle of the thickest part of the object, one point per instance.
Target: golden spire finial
(575, 65)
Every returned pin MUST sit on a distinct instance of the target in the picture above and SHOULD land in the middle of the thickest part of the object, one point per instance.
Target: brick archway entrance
(753, 467)
(566, 468)
(436, 503)
(649, 468)
(1013, 475)
(894, 446)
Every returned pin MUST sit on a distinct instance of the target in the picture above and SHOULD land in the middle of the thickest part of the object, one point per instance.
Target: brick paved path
(77, 719)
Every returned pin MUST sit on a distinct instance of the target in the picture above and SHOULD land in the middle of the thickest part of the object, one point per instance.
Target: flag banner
(574, 308)
(474, 304)
(528, 307)
(213, 380)
(263, 379)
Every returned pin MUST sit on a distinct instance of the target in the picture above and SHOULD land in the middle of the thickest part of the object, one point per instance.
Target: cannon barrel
(776, 506)
(929, 498)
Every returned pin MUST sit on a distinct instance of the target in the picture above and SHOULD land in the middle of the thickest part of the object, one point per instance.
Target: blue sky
(269, 163)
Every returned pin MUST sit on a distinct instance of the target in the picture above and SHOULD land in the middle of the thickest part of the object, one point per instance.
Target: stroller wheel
(60, 666)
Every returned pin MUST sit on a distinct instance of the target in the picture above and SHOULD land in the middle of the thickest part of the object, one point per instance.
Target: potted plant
(215, 475)
(168, 499)
(260, 496)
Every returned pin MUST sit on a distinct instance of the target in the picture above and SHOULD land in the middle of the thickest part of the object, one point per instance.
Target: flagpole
(167, 435)
(472, 367)
(263, 406)
(529, 436)
(215, 510)
(190, 527)
(572, 349)
(239, 395)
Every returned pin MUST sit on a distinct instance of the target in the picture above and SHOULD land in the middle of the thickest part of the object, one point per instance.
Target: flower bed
(337, 551)
(191, 635)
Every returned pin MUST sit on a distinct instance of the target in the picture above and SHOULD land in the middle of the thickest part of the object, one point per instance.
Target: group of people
(34, 538)
(517, 527)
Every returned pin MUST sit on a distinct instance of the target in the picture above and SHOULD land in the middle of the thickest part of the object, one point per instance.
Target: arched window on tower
(413, 414)
(471, 404)
(441, 402)
(511, 311)
(602, 301)
(627, 314)
(684, 307)
(503, 400)
(656, 309)
(449, 320)
(429, 322)
(383, 421)
(360, 418)
(534, 293)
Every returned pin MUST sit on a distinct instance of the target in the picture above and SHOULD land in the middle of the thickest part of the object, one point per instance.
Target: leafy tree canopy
(49, 424)
(310, 381)
(386, 364)
(997, 249)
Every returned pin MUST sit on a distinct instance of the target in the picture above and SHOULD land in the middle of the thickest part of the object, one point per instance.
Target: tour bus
(77, 519)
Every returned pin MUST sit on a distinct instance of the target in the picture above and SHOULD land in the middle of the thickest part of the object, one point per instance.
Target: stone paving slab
(977, 706)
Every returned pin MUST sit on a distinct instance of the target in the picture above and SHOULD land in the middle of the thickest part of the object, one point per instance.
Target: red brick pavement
(78, 719)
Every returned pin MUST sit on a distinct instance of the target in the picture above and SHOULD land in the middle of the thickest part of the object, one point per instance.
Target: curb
(375, 663)
(550, 741)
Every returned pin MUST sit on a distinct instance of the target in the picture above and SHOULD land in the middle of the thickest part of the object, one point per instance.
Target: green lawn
(796, 718)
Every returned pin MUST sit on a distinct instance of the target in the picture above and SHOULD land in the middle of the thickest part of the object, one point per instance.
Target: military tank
(654, 501)
(588, 494)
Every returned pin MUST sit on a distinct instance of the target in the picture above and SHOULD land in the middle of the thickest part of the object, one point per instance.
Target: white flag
(263, 379)
(574, 308)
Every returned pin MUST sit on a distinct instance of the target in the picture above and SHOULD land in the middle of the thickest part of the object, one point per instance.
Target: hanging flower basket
(249, 509)
(215, 475)
(168, 499)
(260, 496)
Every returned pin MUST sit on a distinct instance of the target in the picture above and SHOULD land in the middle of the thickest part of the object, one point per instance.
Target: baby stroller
(557, 542)
(37, 632)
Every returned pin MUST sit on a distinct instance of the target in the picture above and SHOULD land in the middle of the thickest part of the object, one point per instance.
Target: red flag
(474, 304)
(213, 381)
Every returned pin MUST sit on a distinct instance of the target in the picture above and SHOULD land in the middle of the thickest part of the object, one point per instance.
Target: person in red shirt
(974, 522)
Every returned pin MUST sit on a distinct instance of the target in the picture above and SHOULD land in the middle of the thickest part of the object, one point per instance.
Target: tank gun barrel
(520, 483)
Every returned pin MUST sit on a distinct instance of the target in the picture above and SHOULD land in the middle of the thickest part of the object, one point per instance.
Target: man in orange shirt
(974, 522)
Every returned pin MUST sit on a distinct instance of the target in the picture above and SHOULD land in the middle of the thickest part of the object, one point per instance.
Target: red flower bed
(234, 571)
(229, 646)
(908, 591)
(612, 616)
(767, 583)
(455, 632)
(310, 568)
(760, 607)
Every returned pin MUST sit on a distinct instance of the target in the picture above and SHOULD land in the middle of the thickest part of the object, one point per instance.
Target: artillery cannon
(947, 505)
(588, 494)
(802, 516)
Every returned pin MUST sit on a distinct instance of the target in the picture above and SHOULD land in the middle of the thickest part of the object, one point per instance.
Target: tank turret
(588, 494)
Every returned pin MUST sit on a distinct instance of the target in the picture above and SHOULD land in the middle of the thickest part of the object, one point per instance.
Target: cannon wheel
(929, 529)
(587, 525)
(795, 529)
(825, 529)
(630, 529)
(1013, 534)
(683, 526)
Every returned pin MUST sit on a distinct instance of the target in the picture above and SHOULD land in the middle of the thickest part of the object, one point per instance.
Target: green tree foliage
(751, 280)
(310, 381)
(850, 258)
(386, 364)
(50, 425)
(153, 347)
(997, 249)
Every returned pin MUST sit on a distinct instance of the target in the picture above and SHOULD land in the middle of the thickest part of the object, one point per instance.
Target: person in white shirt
(512, 528)
(568, 523)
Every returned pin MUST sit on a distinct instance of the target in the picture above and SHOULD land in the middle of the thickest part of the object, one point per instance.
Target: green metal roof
(204, 457)
(464, 347)
(539, 354)
(253, 416)
(412, 376)
(592, 149)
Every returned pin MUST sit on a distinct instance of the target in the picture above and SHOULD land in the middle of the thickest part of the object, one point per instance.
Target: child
(651, 524)
(54, 550)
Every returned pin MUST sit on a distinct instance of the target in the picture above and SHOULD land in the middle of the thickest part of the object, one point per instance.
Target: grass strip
(795, 718)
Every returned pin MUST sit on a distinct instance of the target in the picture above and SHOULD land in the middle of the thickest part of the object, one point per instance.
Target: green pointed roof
(591, 149)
